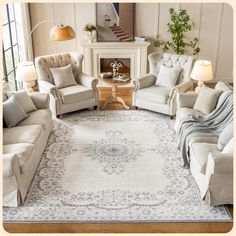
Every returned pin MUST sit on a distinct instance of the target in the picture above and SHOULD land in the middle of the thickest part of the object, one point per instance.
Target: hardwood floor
(195, 227)
(119, 228)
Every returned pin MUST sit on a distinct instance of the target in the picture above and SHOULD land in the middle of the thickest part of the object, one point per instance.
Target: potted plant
(90, 29)
(180, 23)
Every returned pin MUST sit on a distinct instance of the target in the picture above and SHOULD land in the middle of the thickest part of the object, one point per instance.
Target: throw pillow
(13, 112)
(206, 99)
(63, 76)
(167, 76)
(225, 136)
(25, 101)
(229, 147)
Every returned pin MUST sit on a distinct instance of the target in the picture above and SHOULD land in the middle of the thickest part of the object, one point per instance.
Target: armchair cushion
(154, 94)
(76, 93)
(63, 76)
(167, 76)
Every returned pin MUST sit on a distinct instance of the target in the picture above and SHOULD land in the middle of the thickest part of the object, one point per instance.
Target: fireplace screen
(120, 64)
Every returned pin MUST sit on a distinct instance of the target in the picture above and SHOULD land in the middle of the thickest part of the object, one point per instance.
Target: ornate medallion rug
(113, 166)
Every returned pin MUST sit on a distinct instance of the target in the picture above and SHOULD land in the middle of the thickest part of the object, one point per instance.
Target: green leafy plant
(89, 27)
(180, 24)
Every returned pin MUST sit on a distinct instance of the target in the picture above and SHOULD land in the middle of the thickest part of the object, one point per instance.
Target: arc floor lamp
(26, 72)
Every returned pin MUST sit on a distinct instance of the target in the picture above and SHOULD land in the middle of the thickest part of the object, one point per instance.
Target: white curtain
(23, 30)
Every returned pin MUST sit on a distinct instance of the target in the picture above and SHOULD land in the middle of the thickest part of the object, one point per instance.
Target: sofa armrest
(45, 86)
(220, 164)
(40, 100)
(144, 81)
(10, 164)
(87, 81)
(186, 99)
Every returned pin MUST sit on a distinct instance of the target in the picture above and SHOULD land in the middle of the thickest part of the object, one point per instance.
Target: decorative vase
(90, 36)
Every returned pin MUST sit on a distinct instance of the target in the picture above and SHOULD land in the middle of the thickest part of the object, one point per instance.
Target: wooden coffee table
(114, 98)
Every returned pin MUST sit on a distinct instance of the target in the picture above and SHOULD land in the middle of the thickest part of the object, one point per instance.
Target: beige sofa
(212, 169)
(22, 149)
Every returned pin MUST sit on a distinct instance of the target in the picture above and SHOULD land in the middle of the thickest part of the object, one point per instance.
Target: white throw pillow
(63, 76)
(13, 112)
(167, 76)
(206, 99)
(25, 101)
(225, 136)
(229, 148)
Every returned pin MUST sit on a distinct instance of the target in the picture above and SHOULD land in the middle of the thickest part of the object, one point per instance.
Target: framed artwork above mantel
(115, 22)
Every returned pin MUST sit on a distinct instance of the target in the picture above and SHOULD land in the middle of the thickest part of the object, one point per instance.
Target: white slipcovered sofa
(72, 98)
(23, 146)
(212, 169)
(160, 98)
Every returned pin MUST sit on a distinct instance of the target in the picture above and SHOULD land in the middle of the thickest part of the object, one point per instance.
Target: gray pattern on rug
(113, 166)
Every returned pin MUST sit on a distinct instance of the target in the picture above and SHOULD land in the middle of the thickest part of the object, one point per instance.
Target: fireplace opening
(123, 68)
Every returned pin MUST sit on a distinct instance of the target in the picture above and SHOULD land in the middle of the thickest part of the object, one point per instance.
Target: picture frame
(115, 22)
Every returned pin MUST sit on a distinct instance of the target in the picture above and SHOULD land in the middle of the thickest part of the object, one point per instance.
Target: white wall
(213, 26)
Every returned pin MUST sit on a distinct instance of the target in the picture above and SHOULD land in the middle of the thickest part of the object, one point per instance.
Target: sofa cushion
(185, 112)
(22, 134)
(13, 112)
(76, 93)
(23, 151)
(154, 94)
(200, 153)
(39, 117)
(167, 76)
(225, 136)
(25, 100)
(229, 147)
(63, 76)
(206, 100)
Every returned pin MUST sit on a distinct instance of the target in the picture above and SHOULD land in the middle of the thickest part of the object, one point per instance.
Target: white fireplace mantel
(135, 51)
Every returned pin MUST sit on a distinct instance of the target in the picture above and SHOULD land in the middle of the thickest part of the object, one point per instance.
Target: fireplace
(98, 55)
(106, 65)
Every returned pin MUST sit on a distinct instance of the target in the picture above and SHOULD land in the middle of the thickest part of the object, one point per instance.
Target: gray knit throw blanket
(204, 126)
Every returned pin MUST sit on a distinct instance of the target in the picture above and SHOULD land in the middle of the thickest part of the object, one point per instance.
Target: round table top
(114, 82)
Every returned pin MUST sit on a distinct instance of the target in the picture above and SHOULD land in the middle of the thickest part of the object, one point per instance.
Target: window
(10, 45)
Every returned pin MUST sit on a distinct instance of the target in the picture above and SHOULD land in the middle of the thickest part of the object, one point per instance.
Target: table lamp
(202, 71)
(26, 73)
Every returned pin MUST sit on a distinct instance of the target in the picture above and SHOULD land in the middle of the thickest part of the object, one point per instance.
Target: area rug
(113, 166)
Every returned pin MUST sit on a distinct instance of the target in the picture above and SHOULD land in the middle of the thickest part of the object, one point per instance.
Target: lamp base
(28, 85)
(200, 84)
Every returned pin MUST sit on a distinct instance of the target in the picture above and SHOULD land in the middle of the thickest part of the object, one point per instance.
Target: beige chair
(162, 99)
(72, 98)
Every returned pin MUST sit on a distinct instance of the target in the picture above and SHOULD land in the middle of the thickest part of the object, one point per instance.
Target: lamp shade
(62, 33)
(202, 71)
(26, 71)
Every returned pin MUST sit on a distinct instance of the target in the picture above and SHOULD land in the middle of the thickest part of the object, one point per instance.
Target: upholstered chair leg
(136, 108)
(95, 107)
(172, 117)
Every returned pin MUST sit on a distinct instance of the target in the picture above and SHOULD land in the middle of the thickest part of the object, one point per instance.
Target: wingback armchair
(159, 98)
(72, 98)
